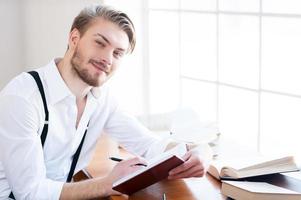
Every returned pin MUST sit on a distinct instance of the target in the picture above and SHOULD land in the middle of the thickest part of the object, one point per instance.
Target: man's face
(98, 52)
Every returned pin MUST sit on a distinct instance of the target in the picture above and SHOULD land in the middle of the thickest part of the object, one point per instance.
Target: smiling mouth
(99, 66)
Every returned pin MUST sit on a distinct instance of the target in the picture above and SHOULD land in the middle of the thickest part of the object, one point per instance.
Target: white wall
(47, 24)
(33, 32)
(11, 45)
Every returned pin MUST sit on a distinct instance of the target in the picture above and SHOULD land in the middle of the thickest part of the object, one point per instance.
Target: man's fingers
(193, 167)
(179, 175)
(198, 172)
(125, 167)
(193, 172)
(186, 165)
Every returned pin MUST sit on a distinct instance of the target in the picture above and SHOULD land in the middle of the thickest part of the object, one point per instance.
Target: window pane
(164, 65)
(238, 115)
(238, 50)
(239, 5)
(281, 60)
(201, 97)
(198, 50)
(169, 4)
(198, 4)
(280, 127)
(282, 6)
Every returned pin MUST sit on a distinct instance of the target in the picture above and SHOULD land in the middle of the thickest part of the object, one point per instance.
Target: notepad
(156, 170)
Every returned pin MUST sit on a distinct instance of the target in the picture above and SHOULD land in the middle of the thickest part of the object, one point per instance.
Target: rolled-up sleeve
(21, 152)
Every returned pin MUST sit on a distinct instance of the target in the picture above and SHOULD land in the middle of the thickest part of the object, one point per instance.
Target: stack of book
(258, 178)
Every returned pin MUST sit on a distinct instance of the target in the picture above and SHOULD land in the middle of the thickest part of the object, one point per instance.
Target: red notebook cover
(149, 177)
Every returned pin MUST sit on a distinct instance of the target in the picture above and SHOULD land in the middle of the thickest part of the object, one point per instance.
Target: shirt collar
(96, 92)
(57, 88)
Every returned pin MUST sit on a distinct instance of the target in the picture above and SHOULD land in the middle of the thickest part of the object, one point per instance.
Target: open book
(275, 186)
(238, 168)
(156, 170)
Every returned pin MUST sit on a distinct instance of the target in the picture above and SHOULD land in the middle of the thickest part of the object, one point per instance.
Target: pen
(115, 159)
(119, 160)
(164, 196)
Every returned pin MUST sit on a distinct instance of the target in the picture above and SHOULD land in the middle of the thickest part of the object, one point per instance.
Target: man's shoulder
(23, 85)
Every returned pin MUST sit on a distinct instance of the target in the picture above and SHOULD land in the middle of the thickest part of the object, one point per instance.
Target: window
(236, 62)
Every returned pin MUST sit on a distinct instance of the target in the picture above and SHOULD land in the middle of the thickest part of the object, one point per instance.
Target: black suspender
(37, 79)
(75, 157)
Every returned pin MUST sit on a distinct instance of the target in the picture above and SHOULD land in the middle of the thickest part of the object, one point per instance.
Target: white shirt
(36, 173)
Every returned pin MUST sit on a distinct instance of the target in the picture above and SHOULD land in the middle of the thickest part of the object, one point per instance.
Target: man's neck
(79, 88)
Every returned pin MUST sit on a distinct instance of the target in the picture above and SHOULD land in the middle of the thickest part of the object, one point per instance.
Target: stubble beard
(76, 63)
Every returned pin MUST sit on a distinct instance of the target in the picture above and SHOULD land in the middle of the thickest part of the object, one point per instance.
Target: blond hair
(85, 18)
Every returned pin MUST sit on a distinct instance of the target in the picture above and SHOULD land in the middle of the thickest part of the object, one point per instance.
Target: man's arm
(88, 189)
(100, 187)
(21, 156)
(128, 131)
(21, 151)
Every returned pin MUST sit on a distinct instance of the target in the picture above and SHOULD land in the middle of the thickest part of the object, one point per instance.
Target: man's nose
(107, 58)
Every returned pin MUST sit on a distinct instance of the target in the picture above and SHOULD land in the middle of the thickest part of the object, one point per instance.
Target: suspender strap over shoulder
(36, 77)
(76, 156)
(38, 81)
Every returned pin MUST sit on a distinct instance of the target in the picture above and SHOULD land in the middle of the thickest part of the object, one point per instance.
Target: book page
(234, 155)
(237, 167)
(237, 162)
(260, 187)
(273, 162)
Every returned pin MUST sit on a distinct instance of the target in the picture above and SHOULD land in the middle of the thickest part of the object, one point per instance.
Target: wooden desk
(205, 188)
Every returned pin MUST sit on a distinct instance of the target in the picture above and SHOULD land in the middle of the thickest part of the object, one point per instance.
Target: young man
(78, 107)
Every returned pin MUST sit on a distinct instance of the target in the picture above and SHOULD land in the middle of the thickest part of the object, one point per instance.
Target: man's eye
(118, 54)
(100, 43)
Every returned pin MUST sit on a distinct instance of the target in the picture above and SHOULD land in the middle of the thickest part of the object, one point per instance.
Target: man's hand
(192, 167)
(100, 186)
(122, 169)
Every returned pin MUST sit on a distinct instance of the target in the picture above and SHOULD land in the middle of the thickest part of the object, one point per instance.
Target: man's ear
(74, 37)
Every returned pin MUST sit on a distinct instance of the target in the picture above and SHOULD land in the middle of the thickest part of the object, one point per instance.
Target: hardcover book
(240, 168)
(156, 170)
(275, 186)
